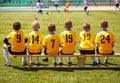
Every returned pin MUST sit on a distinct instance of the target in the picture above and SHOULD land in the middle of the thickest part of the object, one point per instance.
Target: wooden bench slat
(117, 67)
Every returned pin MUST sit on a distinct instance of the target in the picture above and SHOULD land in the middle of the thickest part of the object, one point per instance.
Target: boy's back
(105, 40)
(68, 40)
(35, 40)
(86, 40)
(18, 41)
(52, 43)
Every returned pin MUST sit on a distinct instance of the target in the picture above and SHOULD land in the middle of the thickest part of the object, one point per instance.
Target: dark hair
(68, 24)
(38, 0)
(86, 26)
(51, 27)
(16, 26)
(104, 24)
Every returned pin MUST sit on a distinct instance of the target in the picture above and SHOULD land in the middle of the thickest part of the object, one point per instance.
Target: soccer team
(52, 44)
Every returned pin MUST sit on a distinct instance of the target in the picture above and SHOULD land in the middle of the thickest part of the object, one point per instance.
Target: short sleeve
(44, 41)
(113, 38)
(9, 36)
(41, 38)
(97, 40)
(62, 37)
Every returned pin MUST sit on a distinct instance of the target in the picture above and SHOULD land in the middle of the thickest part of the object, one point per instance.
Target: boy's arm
(26, 40)
(6, 41)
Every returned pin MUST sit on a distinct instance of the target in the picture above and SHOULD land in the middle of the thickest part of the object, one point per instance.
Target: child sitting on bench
(51, 43)
(87, 41)
(17, 45)
(104, 41)
(35, 41)
(68, 41)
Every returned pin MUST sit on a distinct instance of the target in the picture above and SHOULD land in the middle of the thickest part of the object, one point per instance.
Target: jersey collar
(52, 33)
(68, 29)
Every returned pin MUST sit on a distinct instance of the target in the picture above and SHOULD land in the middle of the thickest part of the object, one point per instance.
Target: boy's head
(51, 27)
(68, 24)
(36, 25)
(104, 24)
(38, 0)
(16, 26)
(86, 27)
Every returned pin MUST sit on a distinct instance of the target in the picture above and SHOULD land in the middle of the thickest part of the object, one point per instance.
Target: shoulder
(31, 33)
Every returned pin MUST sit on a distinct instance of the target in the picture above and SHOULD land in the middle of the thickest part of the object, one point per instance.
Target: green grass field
(18, 74)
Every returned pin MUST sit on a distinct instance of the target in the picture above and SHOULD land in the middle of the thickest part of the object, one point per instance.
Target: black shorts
(85, 8)
(56, 5)
(45, 51)
(87, 51)
(16, 53)
(101, 53)
(65, 53)
(40, 11)
(117, 5)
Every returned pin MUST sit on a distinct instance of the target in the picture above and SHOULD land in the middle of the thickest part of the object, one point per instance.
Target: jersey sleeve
(41, 38)
(44, 41)
(113, 37)
(9, 36)
(28, 38)
(62, 37)
(75, 37)
(97, 40)
(92, 37)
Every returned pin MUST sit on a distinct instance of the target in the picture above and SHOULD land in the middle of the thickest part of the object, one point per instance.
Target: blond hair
(36, 25)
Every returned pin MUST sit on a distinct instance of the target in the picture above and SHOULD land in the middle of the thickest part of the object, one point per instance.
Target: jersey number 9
(18, 38)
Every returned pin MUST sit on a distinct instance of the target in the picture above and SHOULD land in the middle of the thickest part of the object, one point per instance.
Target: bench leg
(81, 61)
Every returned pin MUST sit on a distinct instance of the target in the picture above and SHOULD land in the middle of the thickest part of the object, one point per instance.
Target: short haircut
(16, 26)
(68, 24)
(36, 23)
(51, 27)
(104, 24)
(38, 0)
(86, 26)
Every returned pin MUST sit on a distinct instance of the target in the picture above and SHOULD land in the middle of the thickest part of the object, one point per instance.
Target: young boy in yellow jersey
(67, 6)
(35, 41)
(104, 41)
(51, 42)
(17, 45)
(87, 41)
(68, 41)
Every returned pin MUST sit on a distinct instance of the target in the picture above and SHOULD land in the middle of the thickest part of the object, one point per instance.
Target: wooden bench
(80, 58)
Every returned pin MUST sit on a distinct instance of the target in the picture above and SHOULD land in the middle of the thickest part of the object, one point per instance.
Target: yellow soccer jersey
(68, 42)
(34, 42)
(105, 40)
(86, 40)
(17, 41)
(52, 43)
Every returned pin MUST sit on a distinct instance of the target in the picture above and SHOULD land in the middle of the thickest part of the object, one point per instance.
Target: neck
(52, 33)
(68, 28)
(35, 30)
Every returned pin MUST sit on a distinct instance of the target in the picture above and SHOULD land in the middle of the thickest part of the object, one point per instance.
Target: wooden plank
(76, 55)
(77, 67)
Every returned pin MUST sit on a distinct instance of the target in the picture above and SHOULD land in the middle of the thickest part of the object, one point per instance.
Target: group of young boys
(52, 44)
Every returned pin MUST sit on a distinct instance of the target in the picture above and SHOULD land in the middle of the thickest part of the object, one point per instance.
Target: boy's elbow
(26, 40)
(6, 41)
